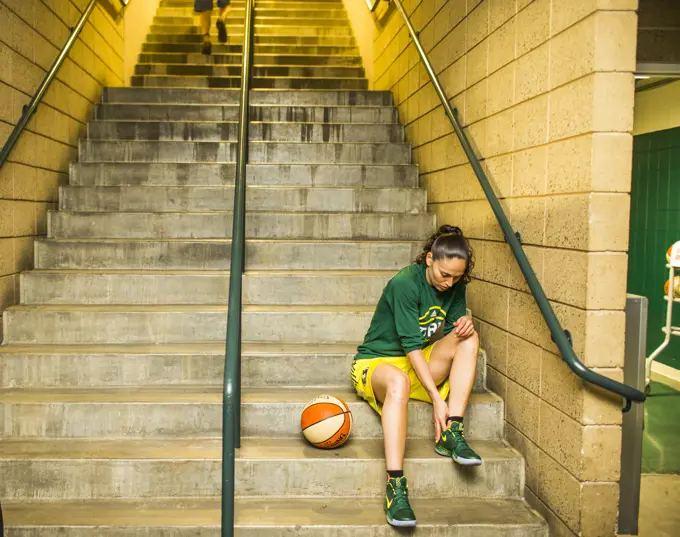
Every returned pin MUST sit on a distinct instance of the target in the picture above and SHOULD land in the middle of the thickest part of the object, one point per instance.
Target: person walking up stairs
(204, 9)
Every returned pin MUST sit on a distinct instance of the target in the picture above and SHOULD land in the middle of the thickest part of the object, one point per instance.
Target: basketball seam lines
(344, 413)
(336, 432)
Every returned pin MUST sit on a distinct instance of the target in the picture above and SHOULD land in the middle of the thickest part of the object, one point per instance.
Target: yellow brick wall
(657, 109)
(33, 33)
(546, 90)
(364, 27)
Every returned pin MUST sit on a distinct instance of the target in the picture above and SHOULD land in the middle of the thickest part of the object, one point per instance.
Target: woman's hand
(464, 327)
(440, 415)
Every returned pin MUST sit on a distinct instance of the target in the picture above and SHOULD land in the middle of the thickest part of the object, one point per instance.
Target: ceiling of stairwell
(658, 48)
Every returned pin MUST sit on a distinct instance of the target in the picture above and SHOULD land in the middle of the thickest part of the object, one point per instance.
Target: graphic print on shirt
(431, 321)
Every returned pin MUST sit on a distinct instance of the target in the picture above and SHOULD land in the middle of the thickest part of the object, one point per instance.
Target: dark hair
(448, 242)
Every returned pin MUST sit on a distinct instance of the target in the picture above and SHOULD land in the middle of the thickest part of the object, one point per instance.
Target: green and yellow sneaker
(452, 444)
(397, 509)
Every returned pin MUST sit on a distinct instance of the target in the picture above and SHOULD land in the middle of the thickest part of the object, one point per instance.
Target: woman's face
(443, 274)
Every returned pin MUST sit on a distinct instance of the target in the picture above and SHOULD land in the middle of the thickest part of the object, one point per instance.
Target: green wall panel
(654, 226)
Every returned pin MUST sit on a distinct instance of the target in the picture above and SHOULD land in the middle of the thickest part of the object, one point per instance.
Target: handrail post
(32, 106)
(558, 334)
(231, 404)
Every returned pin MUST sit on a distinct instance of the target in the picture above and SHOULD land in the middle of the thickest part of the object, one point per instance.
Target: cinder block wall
(33, 33)
(546, 90)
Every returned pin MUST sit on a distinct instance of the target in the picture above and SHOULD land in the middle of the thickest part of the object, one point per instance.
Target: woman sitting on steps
(407, 355)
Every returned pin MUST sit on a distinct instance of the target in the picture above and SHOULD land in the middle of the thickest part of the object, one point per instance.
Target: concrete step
(268, 27)
(385, 115)
(196, 82)
(169, 81)
(330, 18)
(136, 366)
(169, 112)
(270, 39)
(238, 4)
(196, 58)
(270, 517)
(192, 468)
(265, 152)
(261, 97)
(263, 225)
(153, 323)
(218, 48)
(131, 174)
(185, 17)
(261, 4)
(296, 12)
(215, 254)
(258, 198)
(292, 71)
(257, 131)
(189, 70)
(259, 59)
(336, 19)
(196, 411)
(194, 48)
(194, 287)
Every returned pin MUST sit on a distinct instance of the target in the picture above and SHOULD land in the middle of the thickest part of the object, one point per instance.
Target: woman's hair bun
(446, 229)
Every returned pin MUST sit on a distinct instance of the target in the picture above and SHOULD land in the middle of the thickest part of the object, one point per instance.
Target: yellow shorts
(362, 370)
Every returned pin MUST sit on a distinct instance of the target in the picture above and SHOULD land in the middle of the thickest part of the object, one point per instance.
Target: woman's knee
(472, 339)
(399, 385)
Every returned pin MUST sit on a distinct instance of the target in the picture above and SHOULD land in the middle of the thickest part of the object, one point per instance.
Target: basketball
(326, 422)
(676, 287)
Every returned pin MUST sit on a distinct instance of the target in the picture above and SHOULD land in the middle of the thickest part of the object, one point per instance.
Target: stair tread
(234, 142)
(251, 122)
(211, 449)
(190, 394)
(188, 272)
(264, 512)
(250, 241)
(254, 348)
(200, 105)
(179, 308)
(332, 188)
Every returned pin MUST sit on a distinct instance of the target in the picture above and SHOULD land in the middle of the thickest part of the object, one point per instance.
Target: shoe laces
(458, 436)
(400, 500)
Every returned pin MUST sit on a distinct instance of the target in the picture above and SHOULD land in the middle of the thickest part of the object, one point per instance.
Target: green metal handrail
(30, 109)
(561, 337)
(231, 402)
(32, 106)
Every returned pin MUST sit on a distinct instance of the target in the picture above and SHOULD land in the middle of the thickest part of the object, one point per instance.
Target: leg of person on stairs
(204, 9)
(221, 21)
(392, 387)
(455, 357)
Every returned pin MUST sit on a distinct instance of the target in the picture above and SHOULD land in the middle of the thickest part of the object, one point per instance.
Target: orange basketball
(676, 287)
(326, 422)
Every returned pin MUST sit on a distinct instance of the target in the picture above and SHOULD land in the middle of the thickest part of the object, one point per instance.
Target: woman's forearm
(419, 364)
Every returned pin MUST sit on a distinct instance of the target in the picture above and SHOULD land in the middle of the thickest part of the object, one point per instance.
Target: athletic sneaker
(206, 47)
(221, 31)
(452, 444)
(397, 509)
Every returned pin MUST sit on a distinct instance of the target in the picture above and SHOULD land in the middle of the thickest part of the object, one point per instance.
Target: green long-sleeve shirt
(408, 314)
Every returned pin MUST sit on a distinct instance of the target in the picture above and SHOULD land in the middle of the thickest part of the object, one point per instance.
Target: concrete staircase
(111, 368)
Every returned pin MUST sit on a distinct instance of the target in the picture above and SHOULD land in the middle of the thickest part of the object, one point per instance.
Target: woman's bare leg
(392, 387)
(456, 359)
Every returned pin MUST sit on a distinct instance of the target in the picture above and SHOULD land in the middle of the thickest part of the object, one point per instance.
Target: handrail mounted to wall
(561, 337)
(32, 106)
